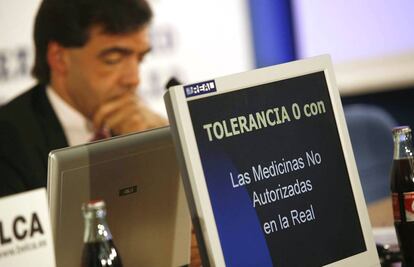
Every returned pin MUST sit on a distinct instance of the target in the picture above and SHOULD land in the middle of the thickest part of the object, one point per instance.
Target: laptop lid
(138, 178)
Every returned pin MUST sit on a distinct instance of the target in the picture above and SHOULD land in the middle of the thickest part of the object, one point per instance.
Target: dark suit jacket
(29, 130)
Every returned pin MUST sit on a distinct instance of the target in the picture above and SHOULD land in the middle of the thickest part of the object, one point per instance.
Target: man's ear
(57, 58)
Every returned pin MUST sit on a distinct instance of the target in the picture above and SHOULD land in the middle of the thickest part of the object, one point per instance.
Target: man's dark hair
(68, 23)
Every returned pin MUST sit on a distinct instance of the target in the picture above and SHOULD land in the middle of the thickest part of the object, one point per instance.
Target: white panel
(16, 48)
(196, 40)
(371, 42)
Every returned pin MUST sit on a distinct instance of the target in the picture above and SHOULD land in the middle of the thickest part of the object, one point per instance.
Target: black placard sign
(270, 166)
(274, 149)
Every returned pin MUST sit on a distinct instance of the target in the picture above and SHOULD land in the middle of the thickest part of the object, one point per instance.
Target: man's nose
(130, 77)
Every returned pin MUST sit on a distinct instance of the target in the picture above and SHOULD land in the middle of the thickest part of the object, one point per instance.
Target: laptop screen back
(138, 177)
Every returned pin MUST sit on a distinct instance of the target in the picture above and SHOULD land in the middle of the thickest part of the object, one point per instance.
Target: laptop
(138, 178)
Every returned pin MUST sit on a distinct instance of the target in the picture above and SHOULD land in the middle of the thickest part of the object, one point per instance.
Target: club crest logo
(200, 88)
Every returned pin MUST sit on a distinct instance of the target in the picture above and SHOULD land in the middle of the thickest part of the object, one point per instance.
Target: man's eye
(141, 58)
(113, 58)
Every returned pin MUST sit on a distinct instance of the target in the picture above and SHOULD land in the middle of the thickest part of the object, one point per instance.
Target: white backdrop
(16, 47)
(371, 42)
(192, 40)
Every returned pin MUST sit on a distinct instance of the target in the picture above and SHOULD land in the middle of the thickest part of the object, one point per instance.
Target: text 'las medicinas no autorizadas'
(265, 171)
(280, 191)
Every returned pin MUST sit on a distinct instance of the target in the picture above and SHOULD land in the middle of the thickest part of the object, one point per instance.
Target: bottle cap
(93, 205)
(401, 130)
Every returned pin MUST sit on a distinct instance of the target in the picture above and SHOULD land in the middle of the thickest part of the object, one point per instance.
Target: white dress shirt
(78, 130)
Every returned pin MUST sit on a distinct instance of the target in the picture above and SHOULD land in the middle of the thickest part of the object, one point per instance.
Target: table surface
(380, 213)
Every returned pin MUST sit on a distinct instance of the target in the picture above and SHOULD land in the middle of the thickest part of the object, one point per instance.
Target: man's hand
(126, 114)
(195, 253)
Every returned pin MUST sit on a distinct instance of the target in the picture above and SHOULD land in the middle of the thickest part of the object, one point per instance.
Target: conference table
(381, 216)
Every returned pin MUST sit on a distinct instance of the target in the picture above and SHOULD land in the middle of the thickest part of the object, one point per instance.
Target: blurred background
(371, 43)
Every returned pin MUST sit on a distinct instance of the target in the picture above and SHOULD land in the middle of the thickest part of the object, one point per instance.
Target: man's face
(105, 68)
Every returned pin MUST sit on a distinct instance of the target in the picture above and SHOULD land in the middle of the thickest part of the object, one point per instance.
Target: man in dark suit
(87, 61)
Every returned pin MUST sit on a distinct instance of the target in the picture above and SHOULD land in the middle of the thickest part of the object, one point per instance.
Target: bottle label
(396, 207)
(409, 206)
